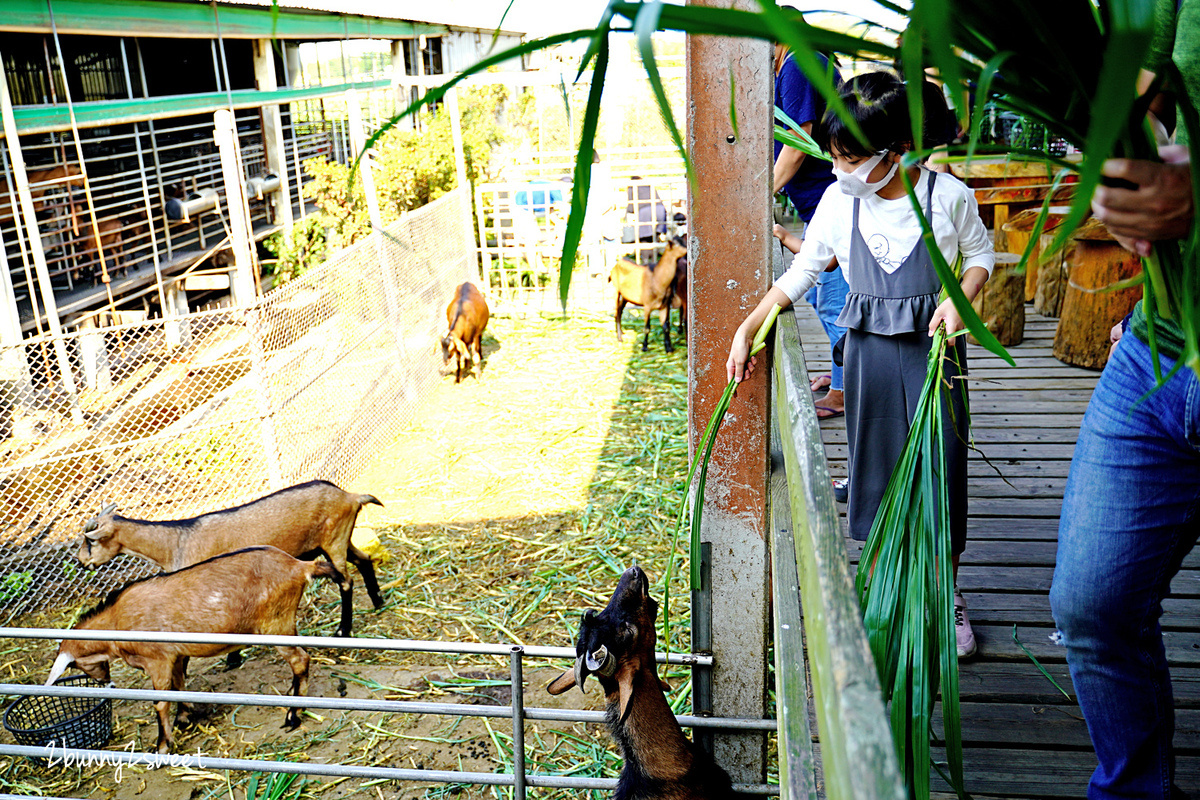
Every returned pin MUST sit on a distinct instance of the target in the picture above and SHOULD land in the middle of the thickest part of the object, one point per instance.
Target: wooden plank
(1011, 772)
(797, 772)
(992, 435)
(1039, 774)
(995, 643)
(858, 757)
(1000, 451)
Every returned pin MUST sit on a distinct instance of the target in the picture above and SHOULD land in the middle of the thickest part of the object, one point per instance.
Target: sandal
(820, 382)
(831, 413)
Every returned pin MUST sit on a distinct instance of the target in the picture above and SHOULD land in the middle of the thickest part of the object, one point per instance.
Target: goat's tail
(368, 499)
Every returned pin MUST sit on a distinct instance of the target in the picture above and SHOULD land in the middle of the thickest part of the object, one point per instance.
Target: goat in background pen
(617, 646)
(252, 591)
(467, 316)
(649, 287)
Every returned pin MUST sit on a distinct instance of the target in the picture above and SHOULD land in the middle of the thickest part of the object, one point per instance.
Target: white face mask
(856, 184)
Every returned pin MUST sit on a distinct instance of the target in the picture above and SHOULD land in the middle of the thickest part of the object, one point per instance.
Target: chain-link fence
(174, 417)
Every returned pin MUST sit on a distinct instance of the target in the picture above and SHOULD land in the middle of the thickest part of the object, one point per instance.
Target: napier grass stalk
(695, 502)
(906, 587)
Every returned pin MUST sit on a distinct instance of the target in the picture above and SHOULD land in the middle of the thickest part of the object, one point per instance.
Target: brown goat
(37, 177)
(251, 591)
(617, 646)
(681, 294)
(303, 521)
(649, 287)
(467, 315)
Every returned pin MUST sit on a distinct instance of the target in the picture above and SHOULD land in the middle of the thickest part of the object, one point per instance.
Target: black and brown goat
(252, 591)
(304, 521)
(652, 288)
(617, 646)
(467, 315)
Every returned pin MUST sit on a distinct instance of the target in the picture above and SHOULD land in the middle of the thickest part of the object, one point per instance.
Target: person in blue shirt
(803, 180)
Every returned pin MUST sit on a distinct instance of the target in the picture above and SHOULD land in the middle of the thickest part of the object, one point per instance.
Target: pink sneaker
(962, 627)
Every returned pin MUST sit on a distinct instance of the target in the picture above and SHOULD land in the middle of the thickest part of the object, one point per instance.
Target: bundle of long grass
(906, 587)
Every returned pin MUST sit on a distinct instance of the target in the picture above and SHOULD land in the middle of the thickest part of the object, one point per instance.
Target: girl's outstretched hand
(946, 312)
(740, 364)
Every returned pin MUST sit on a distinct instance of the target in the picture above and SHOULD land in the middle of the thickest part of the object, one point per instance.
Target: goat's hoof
(234, 660)
(291, 722)
(379, 603)
(343, 634)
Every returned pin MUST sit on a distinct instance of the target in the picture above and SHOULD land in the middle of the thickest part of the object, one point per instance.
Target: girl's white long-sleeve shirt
(891, 229)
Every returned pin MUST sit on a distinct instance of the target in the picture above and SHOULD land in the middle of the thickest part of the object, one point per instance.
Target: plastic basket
(79, 722)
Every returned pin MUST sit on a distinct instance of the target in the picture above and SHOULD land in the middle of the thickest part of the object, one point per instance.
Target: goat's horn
(108, 508)
(579, 676)
(61, 663)
(601, 662)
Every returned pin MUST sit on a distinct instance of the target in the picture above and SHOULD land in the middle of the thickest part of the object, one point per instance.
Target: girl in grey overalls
(893, 305)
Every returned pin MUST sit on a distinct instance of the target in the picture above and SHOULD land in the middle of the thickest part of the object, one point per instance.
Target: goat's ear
(562, 682)
(624, 692)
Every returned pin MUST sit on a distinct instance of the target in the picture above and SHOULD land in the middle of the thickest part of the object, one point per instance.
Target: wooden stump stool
(1001, 301)
(1088, 310)
(1017, 233)
(1052, 277)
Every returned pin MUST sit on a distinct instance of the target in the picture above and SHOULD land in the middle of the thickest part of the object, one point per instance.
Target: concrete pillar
(276, 153)
(176, 327)
(729, 271)
(13, 373)
(94, 355)
(460, 167)
(244, 282)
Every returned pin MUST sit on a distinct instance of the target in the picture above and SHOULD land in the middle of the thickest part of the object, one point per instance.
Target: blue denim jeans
(828, 297)
(1130, 515)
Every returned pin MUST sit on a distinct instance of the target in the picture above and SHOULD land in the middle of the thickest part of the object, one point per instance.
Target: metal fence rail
(176, 416)
(519, 779)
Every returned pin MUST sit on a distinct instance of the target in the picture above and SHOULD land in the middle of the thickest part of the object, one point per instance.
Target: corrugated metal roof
(453, 17)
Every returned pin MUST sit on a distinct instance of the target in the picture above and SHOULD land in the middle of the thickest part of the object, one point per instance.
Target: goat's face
(616, 642)
(453, 346)
(98, 545)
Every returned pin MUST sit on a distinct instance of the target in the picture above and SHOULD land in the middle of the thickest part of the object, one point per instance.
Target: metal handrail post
(518, 721)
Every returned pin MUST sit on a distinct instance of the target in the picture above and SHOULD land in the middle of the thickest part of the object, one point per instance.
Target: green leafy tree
(410, 168)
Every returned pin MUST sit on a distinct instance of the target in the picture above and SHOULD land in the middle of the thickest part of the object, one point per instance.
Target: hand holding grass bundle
(905, 588)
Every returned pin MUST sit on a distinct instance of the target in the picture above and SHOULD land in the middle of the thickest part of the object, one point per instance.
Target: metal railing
(817, 620)
(520, 779)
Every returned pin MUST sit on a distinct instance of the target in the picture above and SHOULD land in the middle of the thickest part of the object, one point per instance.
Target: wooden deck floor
(1021, 737)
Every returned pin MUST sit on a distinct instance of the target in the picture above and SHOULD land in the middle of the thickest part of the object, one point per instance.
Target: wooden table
(1003, 187)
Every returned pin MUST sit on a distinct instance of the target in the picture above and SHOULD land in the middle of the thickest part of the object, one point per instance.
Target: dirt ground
(510, 507)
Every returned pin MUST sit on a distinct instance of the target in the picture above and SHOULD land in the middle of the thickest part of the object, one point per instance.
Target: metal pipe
(702, 677)
(29, 211)
(359, 704)
(58, 755)
(137, 141)
(518, 722)
(342, 643)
